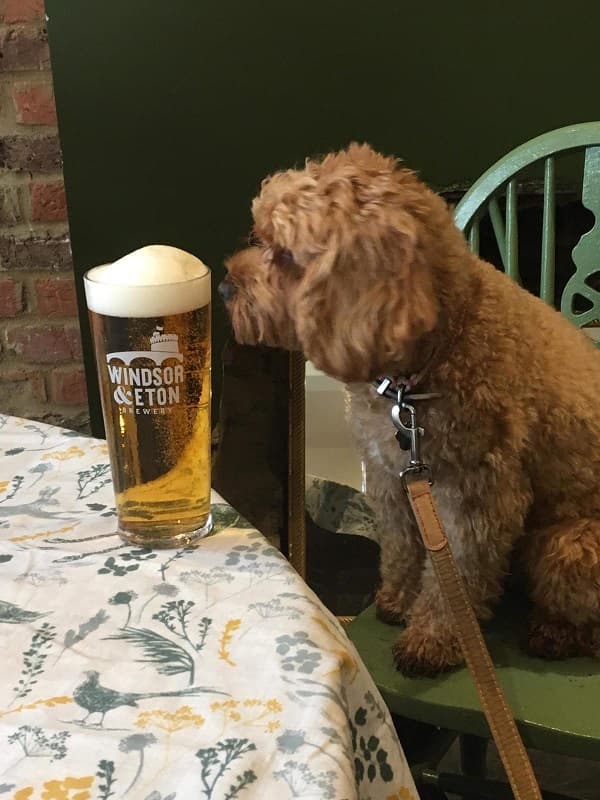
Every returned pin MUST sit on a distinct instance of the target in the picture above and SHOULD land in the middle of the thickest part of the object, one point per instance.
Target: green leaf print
(369, 757)
(34, 658)
(243, 780)
(167, 656)
(136, 743)
(216, 761)
(203, 627)
(73, 637)
(124, 599)
(36, 743)
(16, 484)
(224, 516)
(106, 772)
(174, 616)
(15, 615)
(302, 781)
(92, 480)
(119, 570)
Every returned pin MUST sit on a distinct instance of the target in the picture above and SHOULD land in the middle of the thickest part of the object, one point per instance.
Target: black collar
(391, 388)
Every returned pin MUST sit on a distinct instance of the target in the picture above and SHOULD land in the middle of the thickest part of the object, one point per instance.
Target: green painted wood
(499, 230)
(586, 254)
(512, 234)
(474, 237)
(555, 703)
(572, 137)
(548, 232)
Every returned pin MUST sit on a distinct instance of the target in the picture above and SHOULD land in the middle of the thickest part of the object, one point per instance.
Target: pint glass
(150, 321)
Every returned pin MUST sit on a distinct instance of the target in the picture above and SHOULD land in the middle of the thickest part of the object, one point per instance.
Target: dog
(359, 265)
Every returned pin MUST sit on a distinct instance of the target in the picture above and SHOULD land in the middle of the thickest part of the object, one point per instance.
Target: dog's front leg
(402, 557)
(402, 553)
(481, 541)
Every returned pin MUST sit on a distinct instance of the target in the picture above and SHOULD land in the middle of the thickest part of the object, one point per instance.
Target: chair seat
(556, 704)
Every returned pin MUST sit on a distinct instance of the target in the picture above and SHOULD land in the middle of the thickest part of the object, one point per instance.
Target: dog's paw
(417, 655)
(391, 606)
(558, 639)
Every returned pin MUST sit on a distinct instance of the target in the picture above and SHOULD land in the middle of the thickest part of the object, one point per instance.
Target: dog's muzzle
(226, 290)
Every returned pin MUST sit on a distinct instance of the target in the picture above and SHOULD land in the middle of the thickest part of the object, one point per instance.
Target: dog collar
(400, 388)
(393, 388)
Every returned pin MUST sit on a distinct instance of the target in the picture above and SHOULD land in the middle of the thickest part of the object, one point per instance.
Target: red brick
(11, 298)
(48, 202)
(31, 153)
(11, 212)
(33, 253)
(22, 49)
(21, 10)
(45, 344)
(34, 104)
(17, 386)
(56, 296)
(69, 386)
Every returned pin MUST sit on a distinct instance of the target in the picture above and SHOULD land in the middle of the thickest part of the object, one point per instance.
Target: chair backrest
(502, 180)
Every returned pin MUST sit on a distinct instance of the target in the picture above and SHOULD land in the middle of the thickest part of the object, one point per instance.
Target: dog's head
(343, 267)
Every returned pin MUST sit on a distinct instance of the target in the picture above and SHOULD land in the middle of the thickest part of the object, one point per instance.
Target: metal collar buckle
(408, 433)
(386, 387)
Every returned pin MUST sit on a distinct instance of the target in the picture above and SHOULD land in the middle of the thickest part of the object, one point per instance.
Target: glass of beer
(150, 320)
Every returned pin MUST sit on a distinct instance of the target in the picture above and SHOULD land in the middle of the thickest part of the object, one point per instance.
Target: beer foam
(154, 281)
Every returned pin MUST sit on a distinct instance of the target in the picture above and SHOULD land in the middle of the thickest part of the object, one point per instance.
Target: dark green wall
(171, 112)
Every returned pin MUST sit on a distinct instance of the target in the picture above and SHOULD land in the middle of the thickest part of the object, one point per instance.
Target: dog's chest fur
(369, 417)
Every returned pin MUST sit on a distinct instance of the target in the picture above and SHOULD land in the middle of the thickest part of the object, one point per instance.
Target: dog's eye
(254, 240)
(283, 257)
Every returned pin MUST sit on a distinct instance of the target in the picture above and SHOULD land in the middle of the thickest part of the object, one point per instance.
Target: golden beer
(150, 320)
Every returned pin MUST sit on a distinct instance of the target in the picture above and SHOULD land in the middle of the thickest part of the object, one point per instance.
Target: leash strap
(504, 730)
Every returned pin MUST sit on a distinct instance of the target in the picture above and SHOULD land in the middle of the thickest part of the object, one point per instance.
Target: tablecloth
(211, 672)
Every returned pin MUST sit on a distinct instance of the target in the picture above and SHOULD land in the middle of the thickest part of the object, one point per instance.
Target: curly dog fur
(361, 267)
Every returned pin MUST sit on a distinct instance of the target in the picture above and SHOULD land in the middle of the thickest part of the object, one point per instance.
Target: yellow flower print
(43, 534)
(169, 721)
(403, 794)
(101, 448)
(23, 794)
(217, 706)
(230, 709)
(64, 455)
(68, 789)
(346, 663)
(231, 626)
(49, 702)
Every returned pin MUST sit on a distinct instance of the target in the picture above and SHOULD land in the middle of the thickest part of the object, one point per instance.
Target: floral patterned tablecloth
(166, 675)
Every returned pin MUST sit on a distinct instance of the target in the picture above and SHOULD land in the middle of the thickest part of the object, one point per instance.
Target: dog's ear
(364, 301)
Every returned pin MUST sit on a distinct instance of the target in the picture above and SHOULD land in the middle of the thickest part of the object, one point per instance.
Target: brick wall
(41, 375)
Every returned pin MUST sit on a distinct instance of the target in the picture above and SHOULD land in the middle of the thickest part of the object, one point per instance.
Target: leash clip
(408, 435)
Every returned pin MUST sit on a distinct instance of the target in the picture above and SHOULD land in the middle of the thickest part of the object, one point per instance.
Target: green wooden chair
(557, 705)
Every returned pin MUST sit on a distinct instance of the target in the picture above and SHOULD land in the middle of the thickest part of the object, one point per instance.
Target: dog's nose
(226, 290)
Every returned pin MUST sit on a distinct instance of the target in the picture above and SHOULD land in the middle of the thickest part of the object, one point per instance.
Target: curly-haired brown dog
(361, 266)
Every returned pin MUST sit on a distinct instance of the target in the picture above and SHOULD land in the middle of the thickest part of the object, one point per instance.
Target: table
(211, 672)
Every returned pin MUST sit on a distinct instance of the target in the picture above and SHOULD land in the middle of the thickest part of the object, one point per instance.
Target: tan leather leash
(417, 480)
(504, 730)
